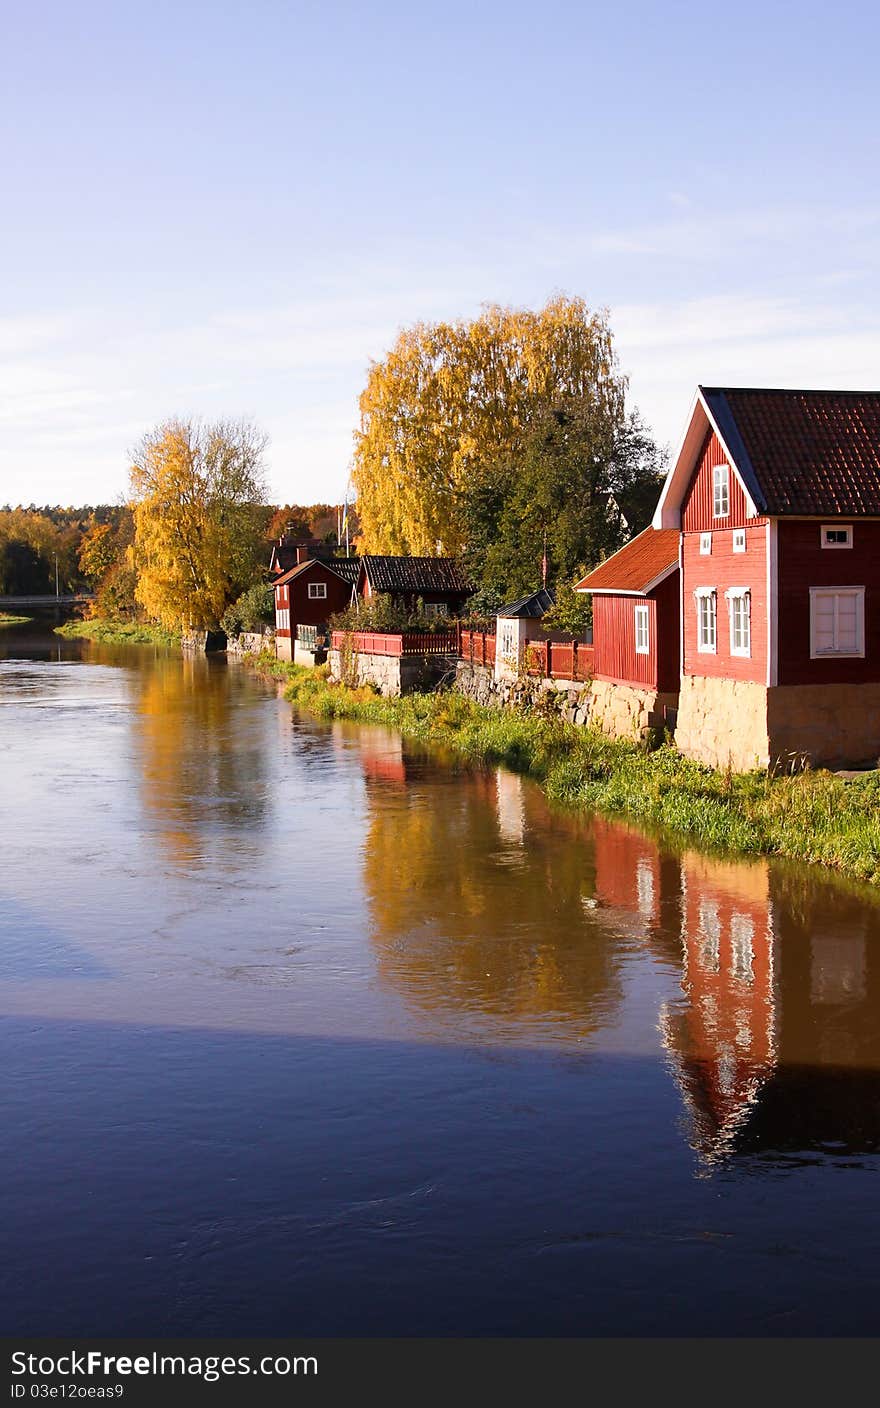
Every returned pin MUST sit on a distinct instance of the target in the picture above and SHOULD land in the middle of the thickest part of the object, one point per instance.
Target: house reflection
(775, 1043)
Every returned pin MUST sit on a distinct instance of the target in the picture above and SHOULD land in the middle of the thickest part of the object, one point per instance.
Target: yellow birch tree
(450, 398)
(196, 496)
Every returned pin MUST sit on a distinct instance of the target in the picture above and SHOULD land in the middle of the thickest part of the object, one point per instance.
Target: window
(739, 602)
(836, 537)
(317, 591)
(436, 608)
(706, 636)
(739, 540)
(705, 544)
(282, 620)
(837, 621)
(641, 630)
(721, 491)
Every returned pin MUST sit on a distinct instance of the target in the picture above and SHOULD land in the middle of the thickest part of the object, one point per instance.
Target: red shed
(776, 494)
(636, 634)
(308, 595)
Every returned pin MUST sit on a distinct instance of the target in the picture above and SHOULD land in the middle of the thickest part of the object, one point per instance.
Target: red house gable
(308, 595)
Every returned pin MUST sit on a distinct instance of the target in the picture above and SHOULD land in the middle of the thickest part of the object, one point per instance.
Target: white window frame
(642, 629)
(836, 528)
(705, 544)
(700, 595)
(721, 491)
(735, 595)
(739, 539)
(858, 594)
(317, 591)
(436, 609)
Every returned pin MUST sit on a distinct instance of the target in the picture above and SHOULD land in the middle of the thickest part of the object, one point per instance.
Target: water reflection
(203, 775)
(475, 905)
(490, 905)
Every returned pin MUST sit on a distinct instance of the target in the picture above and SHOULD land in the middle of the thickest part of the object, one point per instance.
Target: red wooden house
(308, 595)
(776, 495)
(636, 634)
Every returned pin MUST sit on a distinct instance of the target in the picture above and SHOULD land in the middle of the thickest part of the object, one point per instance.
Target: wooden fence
(478, 647)
(398, 642)
(559, 659)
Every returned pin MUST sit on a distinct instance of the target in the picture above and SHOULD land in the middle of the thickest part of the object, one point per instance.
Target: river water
(305, 1031)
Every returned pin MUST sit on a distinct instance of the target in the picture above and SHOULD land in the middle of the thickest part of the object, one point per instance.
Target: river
(305, 1031)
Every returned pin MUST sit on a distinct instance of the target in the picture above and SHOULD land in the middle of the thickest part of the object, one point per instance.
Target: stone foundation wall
(628, 711)
(478, 682)
(723, 723)
(303, 656)
(250, 643)
(394, 674)
(203, 641)
(830, 725)
(283, 648)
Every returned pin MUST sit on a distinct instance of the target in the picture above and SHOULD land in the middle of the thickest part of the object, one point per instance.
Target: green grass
(811, 816)
(6, 620)
(118, 632)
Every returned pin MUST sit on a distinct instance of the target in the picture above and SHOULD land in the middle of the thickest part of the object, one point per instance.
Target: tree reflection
(203, 758)
(480, 902)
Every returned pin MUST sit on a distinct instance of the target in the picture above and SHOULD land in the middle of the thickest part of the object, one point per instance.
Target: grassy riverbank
(118, 632)
(7, 620)
(812, 816)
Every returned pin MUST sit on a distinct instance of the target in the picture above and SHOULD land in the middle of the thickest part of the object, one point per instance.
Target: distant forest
(89, 546)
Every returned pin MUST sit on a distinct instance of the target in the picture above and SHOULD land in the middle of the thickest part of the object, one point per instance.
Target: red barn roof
(638, 567)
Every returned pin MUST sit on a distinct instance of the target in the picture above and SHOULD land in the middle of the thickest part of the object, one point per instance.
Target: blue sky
(229, 208)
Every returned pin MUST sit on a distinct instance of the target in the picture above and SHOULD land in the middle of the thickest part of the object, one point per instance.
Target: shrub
(253, 610)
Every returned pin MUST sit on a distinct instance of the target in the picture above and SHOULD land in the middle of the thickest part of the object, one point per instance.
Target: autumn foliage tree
(451, 399)
(197, 495)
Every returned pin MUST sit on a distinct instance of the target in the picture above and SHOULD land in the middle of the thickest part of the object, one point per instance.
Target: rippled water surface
(303, 1031)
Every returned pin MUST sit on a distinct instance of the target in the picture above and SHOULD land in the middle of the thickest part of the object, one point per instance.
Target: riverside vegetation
(808, 816)
(118, 632)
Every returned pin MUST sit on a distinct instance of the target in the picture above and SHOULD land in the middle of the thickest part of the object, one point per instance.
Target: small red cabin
(308, 595)
(636, 634)
(439, 582)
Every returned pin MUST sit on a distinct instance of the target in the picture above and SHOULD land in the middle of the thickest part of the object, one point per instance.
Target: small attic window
(836, 536)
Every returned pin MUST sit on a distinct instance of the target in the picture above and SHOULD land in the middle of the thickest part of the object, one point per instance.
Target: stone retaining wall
(250, 643)
(394, 674)
(478, 682)
(830, 725)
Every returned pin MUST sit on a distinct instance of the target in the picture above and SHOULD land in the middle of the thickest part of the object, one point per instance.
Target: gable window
(706, 598)
(641, 630)
(739, 604)
(837, 621)
(705, 544)
(721, 491)
(739, 540)
(317, 591)
(833, 536)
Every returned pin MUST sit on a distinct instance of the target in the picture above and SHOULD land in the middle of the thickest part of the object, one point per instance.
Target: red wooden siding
(614, 641)
(282, 600)
(614, 638)
(696, 509)
(724, 568)
(803, 563)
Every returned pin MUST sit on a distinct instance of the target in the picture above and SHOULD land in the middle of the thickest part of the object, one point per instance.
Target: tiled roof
(803, 452)
(638, 566)
(415, 574)
(348, 568)
(533, 607)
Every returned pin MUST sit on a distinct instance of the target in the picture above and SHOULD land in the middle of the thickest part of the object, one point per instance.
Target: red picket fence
(478, 647)
(559, 659)
(399, 642)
